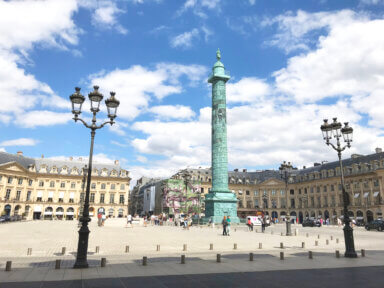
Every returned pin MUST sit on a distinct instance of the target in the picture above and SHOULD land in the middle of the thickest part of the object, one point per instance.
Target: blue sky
(292, 64)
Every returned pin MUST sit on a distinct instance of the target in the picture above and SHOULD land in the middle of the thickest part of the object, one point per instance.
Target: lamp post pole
(335, 130)
(77, 101)
(285, 171)
(83, 189)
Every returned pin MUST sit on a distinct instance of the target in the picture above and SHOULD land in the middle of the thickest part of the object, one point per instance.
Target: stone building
(52, 189)
(312, 191)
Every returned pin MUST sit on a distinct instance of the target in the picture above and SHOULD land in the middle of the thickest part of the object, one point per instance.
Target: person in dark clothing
(225, 223)
(263, 224)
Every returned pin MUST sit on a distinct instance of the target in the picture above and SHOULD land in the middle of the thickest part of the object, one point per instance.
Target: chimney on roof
(42, 156)
(236, 170)
(20, 153)
(304, 167)
(244, 170)
(116, 162)
(316, 164)
(378, 150)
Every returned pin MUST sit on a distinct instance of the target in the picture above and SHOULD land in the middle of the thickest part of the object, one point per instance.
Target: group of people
(226, 225)
(101, 219)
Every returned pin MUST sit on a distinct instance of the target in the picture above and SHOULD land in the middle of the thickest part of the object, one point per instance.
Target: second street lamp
(335, 130)
(285, 173)
(77, 101)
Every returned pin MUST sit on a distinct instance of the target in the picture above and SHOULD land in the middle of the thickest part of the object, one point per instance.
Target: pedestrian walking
(103, 217)
(263, 223)
(228, 225)
(250, 225)
(129, 220)
(225, 224)
(99, 220)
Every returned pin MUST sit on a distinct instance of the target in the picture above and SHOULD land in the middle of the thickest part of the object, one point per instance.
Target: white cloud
(198, 7)
(247, 90)
(20, 142)
(252, 2)
(172, 112)
(100, 158)
(105, 16)
(36, 118)
(185, 39)
(137, 86)
(371, 2)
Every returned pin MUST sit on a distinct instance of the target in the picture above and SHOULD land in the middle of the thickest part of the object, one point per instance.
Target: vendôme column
(220, 201)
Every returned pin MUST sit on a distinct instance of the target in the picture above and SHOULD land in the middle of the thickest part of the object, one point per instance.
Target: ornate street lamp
(285, 173)
(335, 130)
(77, 101)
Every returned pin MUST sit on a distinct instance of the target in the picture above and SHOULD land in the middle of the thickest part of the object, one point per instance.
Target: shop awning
(50, 194)
(366, 194)
(59, 213)
(71, 195)
(39, 193)
(357, 195)
(61, 195)
(48, 213)
(37, 208)
(70, 213)
(375, 194)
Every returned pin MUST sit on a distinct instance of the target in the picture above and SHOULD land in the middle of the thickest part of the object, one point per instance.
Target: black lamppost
(77, 101)
(82, 193)
(335, 130)
(285, 172)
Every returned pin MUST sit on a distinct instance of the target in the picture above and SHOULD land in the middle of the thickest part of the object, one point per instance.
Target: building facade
(52, 189)
(310, 192)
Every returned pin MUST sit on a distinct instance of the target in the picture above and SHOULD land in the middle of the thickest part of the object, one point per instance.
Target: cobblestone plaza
(47, 239)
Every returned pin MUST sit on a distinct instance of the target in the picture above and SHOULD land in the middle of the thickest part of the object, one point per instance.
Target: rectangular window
(112, 198)
(122, 186)
(282, 192)
(103, 186)
(311, 189)
(113, 186)
(93, 185)
(256, 203)
(265, 192)
(62, 185)
(29, 195)
(92, 198)
(121, 200)
(73, 185)
(18, 193)
(318, 189)
(20, 181)
(8, 194)
(52, 184)
(202, 190)
(273, 192)
(82, 197)
(332, 187)
(247, 193)
(312, 201)
(30, 182)
(339, 187)
(41, 183)
(10, 179)
(255, 193)
(376, 183)
(102, 196)
(325, 189)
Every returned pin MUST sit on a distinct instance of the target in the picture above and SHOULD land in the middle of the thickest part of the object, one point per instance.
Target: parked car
(311, 223)
(5, 218)
(375, 224)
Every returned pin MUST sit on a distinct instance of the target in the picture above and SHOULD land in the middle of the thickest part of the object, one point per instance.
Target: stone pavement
(46, 238)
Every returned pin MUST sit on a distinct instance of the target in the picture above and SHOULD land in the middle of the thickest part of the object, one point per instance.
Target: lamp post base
(288, 224)
(82, 247)
(349, 242)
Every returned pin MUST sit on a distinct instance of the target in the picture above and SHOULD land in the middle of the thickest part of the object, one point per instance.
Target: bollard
(97, 249)
(337, 254)
(235, 229)
(127, 249)
(296, 232)
(318, 236)
(218, 258)
(271, 232)
(331, 237)
(182, 259)
(316, 243)
(281, 255)
(256, 230)
(327, 242)
(281, 245)
(158, 248)
(29, 251)
(211, 246)
(250, 256)
(57, 264)
(337, 240)
(302, 244)
(307, 235)
(145, 261)
(310, 255)
(281, 234)
(103, 262)
(185, 247)
(260, 245)
(63, 250)
(8, 266)
(362, 252)
(235, 246)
